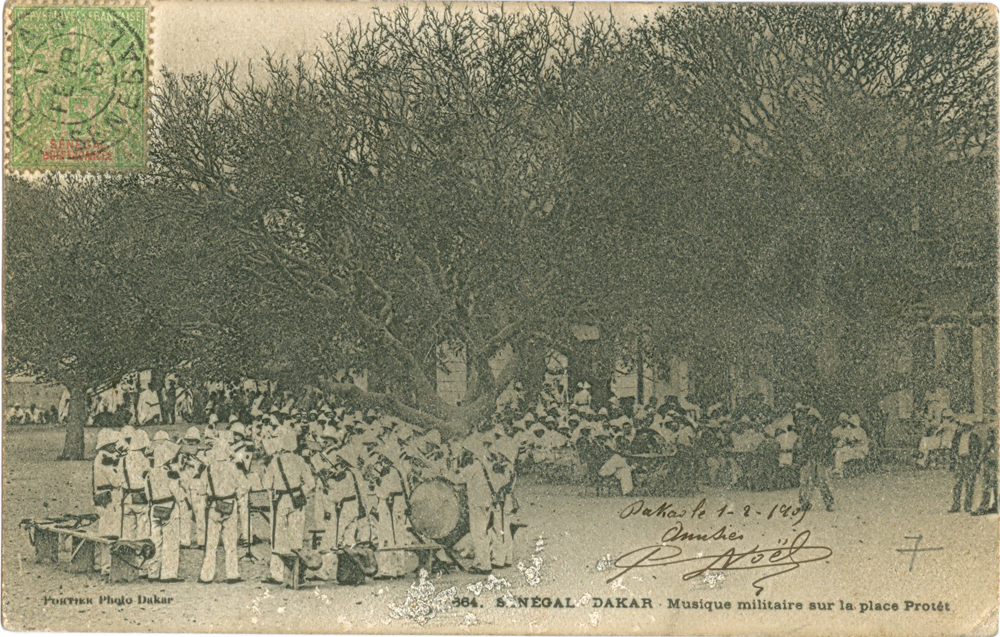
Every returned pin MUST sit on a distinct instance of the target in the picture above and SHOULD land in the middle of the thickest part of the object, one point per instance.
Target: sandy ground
(573, 534)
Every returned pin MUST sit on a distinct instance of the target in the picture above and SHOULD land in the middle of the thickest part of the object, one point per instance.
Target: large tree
(727, 184)
(410, 189)
(74, 310)
(850, 124)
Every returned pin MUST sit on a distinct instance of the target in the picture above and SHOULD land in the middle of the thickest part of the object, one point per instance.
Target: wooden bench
(55, 538)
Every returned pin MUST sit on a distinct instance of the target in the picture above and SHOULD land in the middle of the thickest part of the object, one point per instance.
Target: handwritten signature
(787, 557)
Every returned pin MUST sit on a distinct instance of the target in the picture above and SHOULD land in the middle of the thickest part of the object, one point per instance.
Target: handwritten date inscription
(783, 556)
(700, 511)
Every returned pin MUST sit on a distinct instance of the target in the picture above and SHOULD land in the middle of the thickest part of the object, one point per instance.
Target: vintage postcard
(548, 318)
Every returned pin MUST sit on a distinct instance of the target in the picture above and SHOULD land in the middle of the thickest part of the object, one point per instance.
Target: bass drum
(439, 510)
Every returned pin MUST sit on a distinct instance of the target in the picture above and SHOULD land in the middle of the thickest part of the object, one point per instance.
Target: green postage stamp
(77, 87)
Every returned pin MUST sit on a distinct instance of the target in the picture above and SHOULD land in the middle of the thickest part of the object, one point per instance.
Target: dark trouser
(684, 478)
(989, 499)
(812, 475)
(965, 477)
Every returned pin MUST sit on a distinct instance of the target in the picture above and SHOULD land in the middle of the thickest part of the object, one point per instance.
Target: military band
(349, 475)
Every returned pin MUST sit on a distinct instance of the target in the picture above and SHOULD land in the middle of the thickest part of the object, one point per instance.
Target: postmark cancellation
(76, 89)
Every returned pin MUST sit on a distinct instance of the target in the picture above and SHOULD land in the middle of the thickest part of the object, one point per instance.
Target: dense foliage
(720, 182)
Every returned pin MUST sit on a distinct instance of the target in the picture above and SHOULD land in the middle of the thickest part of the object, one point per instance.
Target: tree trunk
(73, 446)
(427, 399)
(640, 375)
(429, 411)
(470, 415)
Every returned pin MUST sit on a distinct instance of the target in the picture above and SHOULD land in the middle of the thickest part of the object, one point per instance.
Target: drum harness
(289, 491)
(274, 502)
(493, 492)
(212, 498)
(339, 506)
(391, 503)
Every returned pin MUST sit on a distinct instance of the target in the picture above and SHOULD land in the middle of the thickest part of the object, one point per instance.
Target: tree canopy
(724, 180)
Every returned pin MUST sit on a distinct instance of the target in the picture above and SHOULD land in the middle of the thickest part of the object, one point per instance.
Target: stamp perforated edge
(8, 87)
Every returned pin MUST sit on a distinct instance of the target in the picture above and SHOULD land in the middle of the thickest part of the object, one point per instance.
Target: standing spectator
(712, 442)
(938, 439)
(966, 448)
(686, 460)
(841, 450)
(787, 440)
(184, 407)
(949, 427)
(988, 466)
(857, 440)
(128, 401)
(816, 446)
(169, 403)
(148, 407)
